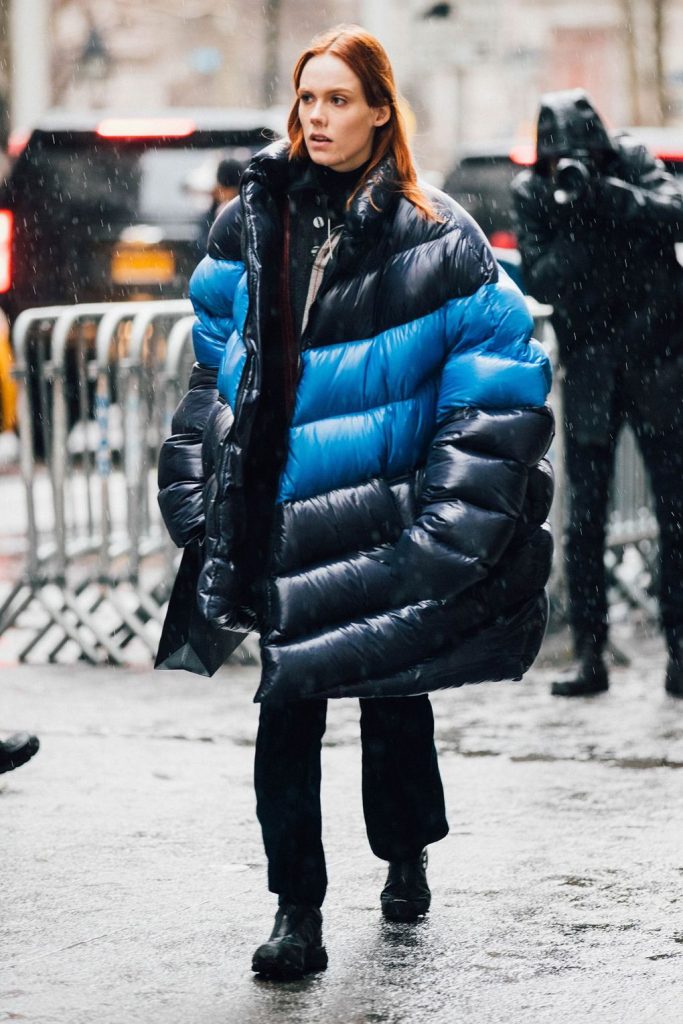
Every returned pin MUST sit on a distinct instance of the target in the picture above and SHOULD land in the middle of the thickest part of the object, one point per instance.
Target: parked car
(480, 182)
(100, 208)
(480, 179)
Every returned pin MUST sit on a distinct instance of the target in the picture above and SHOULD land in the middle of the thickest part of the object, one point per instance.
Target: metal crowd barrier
(97, 387)
(632, 554)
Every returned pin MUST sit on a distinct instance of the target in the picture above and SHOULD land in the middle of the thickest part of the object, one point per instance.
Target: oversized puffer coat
(404, 545)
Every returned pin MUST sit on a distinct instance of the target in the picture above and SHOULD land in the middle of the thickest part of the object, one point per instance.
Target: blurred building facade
(471, 70)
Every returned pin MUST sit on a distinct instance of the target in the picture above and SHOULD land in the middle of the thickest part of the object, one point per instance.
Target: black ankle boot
(674, 668)
(295, 945)
(590, 679)
(406, 895)
(17, 750)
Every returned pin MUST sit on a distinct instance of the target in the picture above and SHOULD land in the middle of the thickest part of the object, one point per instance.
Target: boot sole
(562, 690)
(281, 969)
(404, 911)
(21, 756)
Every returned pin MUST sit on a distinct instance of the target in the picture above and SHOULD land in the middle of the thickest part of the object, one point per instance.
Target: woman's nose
(317, 114)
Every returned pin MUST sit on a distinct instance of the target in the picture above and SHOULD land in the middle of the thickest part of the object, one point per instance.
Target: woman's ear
(382, 115)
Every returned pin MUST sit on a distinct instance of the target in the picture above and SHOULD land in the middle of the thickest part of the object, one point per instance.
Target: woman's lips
(319, 140)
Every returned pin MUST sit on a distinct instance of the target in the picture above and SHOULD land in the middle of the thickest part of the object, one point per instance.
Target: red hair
(367, 58)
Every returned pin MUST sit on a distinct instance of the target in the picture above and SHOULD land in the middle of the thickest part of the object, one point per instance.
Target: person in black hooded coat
(597, 241)
(360, 455)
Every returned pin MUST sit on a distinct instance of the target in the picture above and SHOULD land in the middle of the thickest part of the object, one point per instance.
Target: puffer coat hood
(387, 534)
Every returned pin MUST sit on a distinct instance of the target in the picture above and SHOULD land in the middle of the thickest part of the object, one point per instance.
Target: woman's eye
(338, 101)
(305, 97)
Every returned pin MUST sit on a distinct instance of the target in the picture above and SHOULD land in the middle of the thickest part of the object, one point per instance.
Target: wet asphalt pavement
(134, 880)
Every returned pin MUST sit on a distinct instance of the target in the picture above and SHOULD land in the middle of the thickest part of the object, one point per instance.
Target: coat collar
(273, 169)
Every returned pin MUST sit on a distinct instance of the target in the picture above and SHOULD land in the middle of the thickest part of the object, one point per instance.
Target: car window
(123, 182)
(166, 180)
(474, 174)
(482, 186)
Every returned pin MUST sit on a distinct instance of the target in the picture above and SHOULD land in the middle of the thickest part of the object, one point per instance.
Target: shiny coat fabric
(384, 530)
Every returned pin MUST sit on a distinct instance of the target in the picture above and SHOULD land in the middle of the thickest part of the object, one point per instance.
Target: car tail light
(673, 156)
(503, 240)
(17, 142)
(6, 225)
(524, 153)
(145, 127)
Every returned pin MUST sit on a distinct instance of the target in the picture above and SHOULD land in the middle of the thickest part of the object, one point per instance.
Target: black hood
(569, 124)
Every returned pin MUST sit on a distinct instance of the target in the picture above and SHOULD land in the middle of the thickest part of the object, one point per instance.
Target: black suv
(103, 208)
(480, 182)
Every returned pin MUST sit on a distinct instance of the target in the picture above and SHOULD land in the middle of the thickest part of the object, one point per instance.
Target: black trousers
(651, 403)
(403, 799)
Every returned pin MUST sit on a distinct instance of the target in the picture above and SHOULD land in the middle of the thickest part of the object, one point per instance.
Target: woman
(359, 452)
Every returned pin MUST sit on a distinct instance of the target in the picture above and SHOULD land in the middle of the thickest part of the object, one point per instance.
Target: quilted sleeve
(181, 473)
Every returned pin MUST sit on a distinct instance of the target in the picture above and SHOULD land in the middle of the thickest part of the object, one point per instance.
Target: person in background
(17, 750)
(228, 175)
(226, 187)
(360, 454)
(598, 218)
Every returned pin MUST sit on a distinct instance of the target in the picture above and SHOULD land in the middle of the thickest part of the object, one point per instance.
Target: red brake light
(503, 240)
(17, 142)
(675, 156)
(145, 127)
(6, 225)
(523, 153)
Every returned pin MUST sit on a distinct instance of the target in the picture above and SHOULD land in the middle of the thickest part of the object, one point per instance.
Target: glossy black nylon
(386, 587)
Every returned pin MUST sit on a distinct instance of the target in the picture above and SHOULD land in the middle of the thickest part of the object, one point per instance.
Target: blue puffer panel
(218, 293)
(340, 451)
(369, 408)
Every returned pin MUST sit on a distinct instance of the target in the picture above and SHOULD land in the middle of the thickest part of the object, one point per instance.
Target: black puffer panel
(333, 554)
(331, 525)
(392, 283)
(502, 650)
(478, 531)
(383, 525)
(181, 474)
(305, 602)
(221, 583)
(539, 496)
(472, 497)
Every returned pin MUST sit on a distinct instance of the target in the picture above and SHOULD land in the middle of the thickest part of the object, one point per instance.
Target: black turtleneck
(317, 204)
(337, 186)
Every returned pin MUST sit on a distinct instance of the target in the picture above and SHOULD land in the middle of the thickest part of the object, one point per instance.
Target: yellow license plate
(142, 266)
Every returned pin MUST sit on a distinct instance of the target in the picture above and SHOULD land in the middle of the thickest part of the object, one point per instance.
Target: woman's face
(338, 124)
